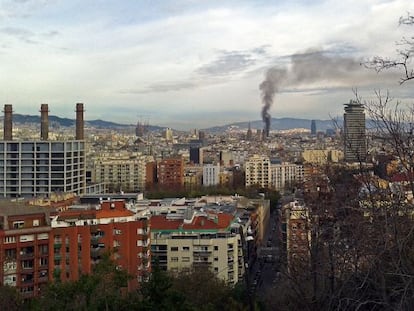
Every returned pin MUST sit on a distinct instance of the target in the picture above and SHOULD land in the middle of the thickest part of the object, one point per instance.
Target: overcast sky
(195, 63)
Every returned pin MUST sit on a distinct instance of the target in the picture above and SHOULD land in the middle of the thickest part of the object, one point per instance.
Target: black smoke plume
(269, 87)
(310, 66)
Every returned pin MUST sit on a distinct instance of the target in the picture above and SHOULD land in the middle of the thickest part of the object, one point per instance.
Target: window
(215, 258)
(186, 248)
(43, 236)
(43, 249)
(9, 239)
(27, 264)
(216, 248)
(43, 262)
(26, 238)
(174, 248)
(186, 259)
(35, 222)
(18, 224)
(174, 259)
(10, 253)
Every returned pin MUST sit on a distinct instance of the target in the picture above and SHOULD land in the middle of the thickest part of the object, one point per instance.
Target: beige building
(322, 156)
(206, 240)
(258, 171)
(121, 171)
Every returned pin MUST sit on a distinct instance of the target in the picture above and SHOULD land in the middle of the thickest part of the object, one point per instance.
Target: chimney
(79, 121)
(44, 122)
(8, 122)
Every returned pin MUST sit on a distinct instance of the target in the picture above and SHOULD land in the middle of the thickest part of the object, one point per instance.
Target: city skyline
(187, 64)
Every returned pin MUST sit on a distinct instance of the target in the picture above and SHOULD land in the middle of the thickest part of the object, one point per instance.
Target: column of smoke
(311, 66)
(269, 87)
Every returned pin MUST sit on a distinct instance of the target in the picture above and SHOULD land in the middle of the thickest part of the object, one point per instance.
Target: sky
(194, 63)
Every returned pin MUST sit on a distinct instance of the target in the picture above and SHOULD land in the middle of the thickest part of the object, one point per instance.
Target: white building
(211, 175)
(285, 174)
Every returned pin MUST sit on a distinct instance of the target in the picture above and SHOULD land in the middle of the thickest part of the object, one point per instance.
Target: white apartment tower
(211, 175)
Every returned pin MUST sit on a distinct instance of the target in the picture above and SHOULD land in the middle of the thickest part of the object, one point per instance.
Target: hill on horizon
(276, 123)
(280, 124)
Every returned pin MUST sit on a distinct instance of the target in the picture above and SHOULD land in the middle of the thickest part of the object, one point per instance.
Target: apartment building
(121, 171)
(322, 156)
(285, 174)
(80, 236)
(24, 247)
(297, 234)
(258, 171)
(207, 241)
(193, 176)
(170, 172)
(211, 175)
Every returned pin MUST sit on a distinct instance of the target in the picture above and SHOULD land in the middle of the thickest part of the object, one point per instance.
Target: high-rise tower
(355, 146)
(313, 127)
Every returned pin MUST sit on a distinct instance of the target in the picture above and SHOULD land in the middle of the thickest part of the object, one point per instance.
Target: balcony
(24, 255)
(201, 253)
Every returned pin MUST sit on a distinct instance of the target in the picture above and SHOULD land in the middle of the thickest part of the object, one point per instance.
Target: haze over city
(188, 64)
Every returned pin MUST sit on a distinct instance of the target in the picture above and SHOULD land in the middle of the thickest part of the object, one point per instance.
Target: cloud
(227, 63)
(161, 87)
(21, 34)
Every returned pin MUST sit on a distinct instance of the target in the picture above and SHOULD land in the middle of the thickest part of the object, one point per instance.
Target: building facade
(170, 172)
(258, 171)
(81, 237)
(202, 242)
(355, 145)
(41, 167)
(24, 247)
(121, 171)
(286, 175)
(211, 175)
(38, 168)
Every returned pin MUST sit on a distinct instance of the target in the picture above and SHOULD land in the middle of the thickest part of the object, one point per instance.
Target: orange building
(170, 173)
(81, 236)
(24, 247)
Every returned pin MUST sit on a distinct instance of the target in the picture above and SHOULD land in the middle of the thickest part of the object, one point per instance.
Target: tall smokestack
(79, 121)
(44, 122)
(8, 122)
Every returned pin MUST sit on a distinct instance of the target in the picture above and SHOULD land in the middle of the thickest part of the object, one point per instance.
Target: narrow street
(265, 270)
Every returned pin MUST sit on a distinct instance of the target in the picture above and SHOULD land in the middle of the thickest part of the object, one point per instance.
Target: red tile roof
(113, 213)
(160, 222)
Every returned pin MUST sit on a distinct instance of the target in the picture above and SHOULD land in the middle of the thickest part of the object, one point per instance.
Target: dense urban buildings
(274, 211)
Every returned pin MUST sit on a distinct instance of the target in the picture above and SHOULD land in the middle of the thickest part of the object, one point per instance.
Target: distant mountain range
(65, 122)
(276, 123)
(281, 124)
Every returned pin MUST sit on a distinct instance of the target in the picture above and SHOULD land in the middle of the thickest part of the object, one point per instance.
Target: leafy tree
(10, 299)
(101, 290)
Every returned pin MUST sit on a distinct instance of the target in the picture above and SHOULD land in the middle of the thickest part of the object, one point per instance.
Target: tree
(10, 299)
(403, 58)
(101, 290)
